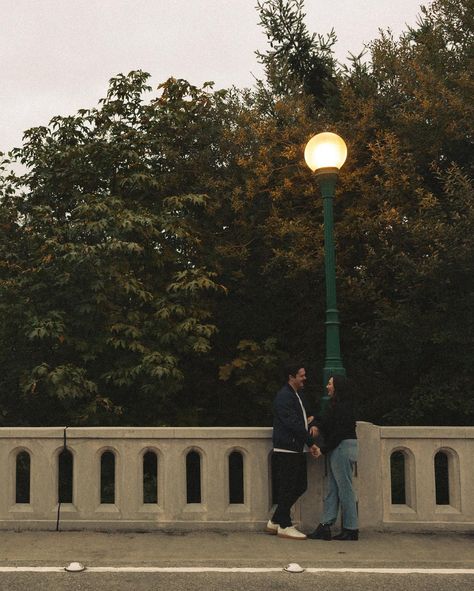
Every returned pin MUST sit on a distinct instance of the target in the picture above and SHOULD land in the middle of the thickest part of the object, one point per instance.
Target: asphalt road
(233, 582)
(158, 552)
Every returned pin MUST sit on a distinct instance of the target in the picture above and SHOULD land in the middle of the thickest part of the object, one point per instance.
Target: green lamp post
(325, 153)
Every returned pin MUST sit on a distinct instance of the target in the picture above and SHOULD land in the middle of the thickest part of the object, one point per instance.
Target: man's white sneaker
(291, 533)
(272, 528)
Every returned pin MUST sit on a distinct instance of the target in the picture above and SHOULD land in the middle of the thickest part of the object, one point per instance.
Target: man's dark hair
(291, 369)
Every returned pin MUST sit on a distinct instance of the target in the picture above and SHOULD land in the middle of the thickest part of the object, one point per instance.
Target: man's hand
(314, 431)
(315, 451)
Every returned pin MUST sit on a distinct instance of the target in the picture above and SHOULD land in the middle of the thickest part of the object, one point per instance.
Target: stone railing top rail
(427, 432)
(417, 432)
(137, 432)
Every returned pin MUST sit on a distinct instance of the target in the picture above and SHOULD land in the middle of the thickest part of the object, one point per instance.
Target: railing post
(7, 477)
(174, 478)
(86, 474)
(369, 475)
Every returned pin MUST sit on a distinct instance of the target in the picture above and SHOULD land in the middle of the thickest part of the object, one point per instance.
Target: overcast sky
(57, 56)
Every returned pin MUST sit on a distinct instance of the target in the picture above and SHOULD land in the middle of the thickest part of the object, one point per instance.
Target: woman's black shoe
(322, 532)
(347, 535)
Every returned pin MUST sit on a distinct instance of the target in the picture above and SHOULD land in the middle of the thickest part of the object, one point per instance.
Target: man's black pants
(291, 484)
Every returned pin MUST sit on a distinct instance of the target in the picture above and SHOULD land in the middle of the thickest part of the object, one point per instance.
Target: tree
(103, 293)
(406, 230)
(297, 61)
(404, 212)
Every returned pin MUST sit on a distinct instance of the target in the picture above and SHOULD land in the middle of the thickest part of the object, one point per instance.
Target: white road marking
(218, 569)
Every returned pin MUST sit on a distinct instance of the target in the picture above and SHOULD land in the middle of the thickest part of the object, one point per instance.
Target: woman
(340, 445)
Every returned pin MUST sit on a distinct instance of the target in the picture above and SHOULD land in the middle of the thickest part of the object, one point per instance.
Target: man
(292, 431)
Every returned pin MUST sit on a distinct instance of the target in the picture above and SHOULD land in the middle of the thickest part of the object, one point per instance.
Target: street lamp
(325, 153)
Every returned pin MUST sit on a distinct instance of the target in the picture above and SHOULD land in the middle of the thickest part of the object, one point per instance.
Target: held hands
(315, 451)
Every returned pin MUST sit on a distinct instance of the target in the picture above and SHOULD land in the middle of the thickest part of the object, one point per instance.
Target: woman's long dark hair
(343, 391)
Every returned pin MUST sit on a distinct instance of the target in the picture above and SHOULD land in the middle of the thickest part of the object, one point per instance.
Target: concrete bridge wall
(417, 446)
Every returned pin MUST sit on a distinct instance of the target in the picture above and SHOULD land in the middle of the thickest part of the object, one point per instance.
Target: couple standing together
(294, 433)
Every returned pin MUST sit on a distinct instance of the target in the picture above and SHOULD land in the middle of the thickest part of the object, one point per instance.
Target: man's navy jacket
(289, 429)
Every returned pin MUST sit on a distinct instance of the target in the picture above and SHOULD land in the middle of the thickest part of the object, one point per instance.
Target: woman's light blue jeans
(340, 490)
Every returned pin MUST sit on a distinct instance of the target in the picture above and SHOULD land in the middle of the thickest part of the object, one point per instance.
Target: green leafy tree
(103, 293)
(297, 61)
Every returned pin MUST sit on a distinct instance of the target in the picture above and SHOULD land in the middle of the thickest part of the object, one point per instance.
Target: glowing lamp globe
(325, 151)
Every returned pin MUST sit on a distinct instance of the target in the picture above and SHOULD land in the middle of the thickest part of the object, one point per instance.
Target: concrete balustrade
(419, 511)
